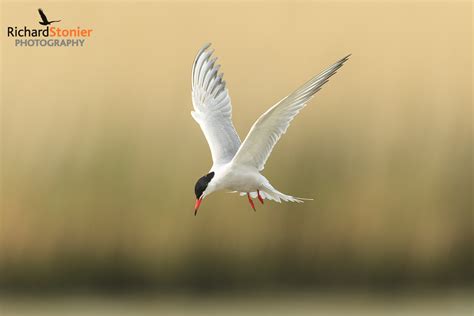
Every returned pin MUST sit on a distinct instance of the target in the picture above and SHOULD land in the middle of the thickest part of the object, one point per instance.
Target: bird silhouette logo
(44, 19)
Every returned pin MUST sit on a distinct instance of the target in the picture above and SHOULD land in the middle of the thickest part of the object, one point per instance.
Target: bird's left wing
(43, 16)
(212, 107)
(269, 127)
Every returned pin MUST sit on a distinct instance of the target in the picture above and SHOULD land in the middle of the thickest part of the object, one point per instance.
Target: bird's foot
(251, 202)
(259, 197)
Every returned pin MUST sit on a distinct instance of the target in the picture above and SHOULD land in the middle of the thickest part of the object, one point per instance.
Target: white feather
(212, 107)
(269, 127)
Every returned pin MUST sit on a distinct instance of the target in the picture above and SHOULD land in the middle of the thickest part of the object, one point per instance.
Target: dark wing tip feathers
(203, 50)
(344, 59)
(309, 89)
(337, 65)
(200, 52)
(220, 84)
(317, 85)
(347, 57)
(333, 69)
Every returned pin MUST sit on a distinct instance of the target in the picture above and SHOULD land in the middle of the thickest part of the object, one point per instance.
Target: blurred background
(100, 156)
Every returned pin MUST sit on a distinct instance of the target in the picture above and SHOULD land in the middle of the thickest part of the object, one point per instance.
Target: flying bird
(237, 165)
(45, 19)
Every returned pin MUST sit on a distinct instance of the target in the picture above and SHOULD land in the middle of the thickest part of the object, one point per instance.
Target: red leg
(259, 197)
(251, 202)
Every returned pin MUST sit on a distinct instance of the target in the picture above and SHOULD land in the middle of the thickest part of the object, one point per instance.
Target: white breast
(237, 178)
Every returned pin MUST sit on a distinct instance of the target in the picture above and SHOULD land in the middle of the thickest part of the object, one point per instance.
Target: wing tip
(344, 59)
(201, 51)
(204, 48)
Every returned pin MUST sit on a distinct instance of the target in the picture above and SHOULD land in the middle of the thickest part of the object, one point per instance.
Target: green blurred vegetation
(100, 153)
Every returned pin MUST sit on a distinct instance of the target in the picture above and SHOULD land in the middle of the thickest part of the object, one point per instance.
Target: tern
(237, 165)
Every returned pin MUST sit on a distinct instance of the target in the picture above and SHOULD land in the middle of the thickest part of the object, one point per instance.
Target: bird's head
(201, 189)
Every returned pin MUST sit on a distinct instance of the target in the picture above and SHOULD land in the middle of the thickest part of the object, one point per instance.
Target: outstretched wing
(212, 107)
(269, 127)
(43, 16)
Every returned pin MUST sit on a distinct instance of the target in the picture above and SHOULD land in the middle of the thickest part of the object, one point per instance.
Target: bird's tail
(270, 193)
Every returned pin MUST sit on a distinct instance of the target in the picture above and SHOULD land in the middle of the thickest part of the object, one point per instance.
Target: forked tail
(270, 193)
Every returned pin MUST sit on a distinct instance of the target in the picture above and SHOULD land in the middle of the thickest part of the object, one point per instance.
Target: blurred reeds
(100, 153)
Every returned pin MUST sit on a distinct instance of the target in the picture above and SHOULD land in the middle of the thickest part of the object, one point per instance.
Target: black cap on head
(202, 183)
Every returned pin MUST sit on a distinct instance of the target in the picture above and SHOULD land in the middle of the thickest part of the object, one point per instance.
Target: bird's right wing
(269, 127)
(212, 107)
(43, 16)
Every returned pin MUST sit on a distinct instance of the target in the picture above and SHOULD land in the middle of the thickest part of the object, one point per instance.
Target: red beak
(196, 206)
